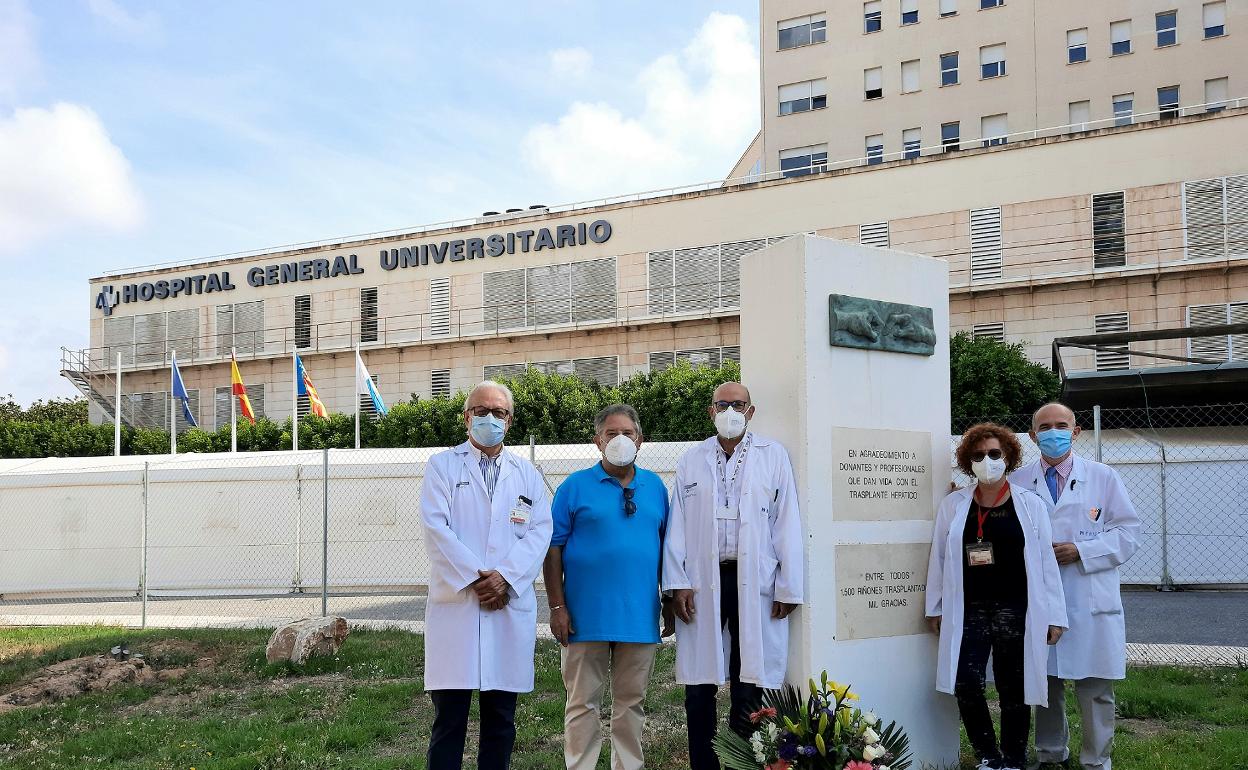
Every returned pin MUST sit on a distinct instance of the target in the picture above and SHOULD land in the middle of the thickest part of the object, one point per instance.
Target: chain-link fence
(258, 539)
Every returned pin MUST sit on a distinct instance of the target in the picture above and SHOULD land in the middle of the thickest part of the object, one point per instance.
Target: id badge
(725, 512)
(979, 554)
(521, 512)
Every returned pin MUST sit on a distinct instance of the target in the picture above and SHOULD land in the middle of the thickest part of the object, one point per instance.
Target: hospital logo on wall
(107, 299)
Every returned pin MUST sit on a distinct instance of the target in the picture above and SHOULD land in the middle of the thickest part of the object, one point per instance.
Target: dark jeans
(996, 627)
(450, 725)
(700, 698)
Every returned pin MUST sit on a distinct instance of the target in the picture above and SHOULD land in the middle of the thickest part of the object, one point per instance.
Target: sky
(134, 133)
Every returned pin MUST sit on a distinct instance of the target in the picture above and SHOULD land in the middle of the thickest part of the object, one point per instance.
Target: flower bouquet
(821, 731)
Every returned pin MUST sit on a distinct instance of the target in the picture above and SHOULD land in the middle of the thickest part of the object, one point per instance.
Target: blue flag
(179, 392)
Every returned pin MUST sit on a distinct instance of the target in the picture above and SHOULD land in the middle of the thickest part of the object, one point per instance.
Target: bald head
(731, 391)
(1053, 415)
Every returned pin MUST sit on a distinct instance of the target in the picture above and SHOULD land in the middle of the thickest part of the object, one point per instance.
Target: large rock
(305, 639)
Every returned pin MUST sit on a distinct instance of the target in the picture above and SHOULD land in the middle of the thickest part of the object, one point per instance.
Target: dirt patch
(1144, 729)
(70, 678)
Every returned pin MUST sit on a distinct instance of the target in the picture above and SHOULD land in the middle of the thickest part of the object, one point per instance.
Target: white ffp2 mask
(989, 470)
(730, 423)
(620, 451)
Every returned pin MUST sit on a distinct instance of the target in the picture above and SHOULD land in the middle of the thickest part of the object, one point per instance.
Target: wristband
(556, 607)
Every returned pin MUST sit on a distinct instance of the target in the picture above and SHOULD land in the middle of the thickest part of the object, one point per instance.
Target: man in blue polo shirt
(602, 582)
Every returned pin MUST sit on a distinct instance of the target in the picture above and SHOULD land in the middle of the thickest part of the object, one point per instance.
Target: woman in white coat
(993, 587)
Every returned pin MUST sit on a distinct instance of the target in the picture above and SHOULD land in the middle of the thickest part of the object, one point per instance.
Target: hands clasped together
(492, 590)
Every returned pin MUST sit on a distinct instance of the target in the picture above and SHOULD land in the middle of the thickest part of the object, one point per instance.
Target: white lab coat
(466, 647)
(1096, 644)
(769, 563)
(1045, 606)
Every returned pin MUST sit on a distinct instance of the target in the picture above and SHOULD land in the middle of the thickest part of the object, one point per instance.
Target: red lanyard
(982, 513)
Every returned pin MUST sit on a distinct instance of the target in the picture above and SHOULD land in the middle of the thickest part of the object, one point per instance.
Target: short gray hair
(487, 384)
(608, 412)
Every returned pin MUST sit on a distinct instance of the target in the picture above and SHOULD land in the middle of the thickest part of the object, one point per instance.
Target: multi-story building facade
(1137, 225)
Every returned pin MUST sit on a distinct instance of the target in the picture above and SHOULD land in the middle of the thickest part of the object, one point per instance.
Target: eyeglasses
(740, 406)
(630, 507)
(992, 454)
(481, 411)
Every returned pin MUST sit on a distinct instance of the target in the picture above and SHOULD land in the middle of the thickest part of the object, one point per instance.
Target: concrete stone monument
(846, 351)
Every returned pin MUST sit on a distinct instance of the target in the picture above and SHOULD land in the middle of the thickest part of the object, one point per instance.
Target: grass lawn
(365, 708)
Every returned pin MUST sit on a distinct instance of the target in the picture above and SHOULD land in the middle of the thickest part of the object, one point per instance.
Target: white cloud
(571, 64)
(19, 57)
(61, 170)
(123, 21)
(700, 111)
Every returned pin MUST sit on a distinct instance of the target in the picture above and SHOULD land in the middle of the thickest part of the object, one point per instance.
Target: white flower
(872, 753)
(773, 730)
(759, 757)
(870, 719)
(883, 767)
(870, 736)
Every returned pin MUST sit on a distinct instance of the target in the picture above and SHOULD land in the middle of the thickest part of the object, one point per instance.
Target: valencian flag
(236, 384)
(315, 405)
(179, 392)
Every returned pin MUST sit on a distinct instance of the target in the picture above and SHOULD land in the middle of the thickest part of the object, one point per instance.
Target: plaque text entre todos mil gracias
(882, 590)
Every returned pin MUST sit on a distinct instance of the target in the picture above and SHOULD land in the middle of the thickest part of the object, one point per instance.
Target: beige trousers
(585, 667)
(1096, 711)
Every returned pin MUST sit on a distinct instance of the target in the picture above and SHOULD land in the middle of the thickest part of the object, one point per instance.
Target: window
(117, 336)
(221, 398)
(1116, 356)
(664, 359)
(1215, 94)
(911, 143)
(440, 383)
(150, 335)
(989, 331)
(804, 160)
(1167, 28)
(368, 315)
(1120, 38)
(240, 326)
(909, 12)
(697, 279)
(985, 244)
(950, 136)
(986, 4)
(1076, 45)
(1232, 347)
(949, 69)
(948, 8)
(1168, 102)
(148, 410)
(1215, 212)
(874, 234)
(180, 418)
(147, 338)
(303, 321)
(1124, 109)
(992, 61)
(1079, 115)
(577, 292)
(1214, 19)
(605, 370)
(875, 149)
(993, 129)
(1109, 247)
(367, 407)
(804, 30)
(872, 16)
(803, 97)
(910, 76)
(873, 83)
(440, 307)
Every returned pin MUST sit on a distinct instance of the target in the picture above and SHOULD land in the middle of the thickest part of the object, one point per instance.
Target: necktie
(489, 473)
(1050, 476)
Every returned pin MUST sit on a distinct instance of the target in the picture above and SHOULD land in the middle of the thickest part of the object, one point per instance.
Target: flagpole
(357, 395)
(173, 415)
(233, 407)
(294, 398)
(117, 413)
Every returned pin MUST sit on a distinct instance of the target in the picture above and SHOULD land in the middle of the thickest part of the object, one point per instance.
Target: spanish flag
(316, 406)
(236, 382)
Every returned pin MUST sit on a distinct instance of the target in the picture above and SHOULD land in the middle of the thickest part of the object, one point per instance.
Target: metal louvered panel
(1237, 216)
(549, 293)
(874, 234)
(149, 338)
(1237, 313)
(183, 332)
(147, 410)
(504, 371)
(985, 244)
(504, 300)
(368, 314)
(440, 307)
(118, 337)
(225, 329)
(221, 404)
(699, 357)
(729, 353)
(661, 360)
(593, 290)
(303, 321)
(991, 331)
(605, 370)
(440, 383)
(661, 276)
(183, 425)
(1204, 212)
(1215, 348)
(249, 327)
(697, 279)
(1115, 358)
(730, 255)
(1109, 245)
(366, 401)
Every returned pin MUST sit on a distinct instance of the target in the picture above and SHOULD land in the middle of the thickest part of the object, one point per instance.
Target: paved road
(1187, 617)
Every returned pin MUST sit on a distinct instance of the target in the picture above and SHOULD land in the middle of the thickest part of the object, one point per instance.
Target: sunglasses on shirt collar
(630, 507)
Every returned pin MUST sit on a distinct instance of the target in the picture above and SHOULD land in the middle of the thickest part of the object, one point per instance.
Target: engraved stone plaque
(881, 475)
(872, 324)
(880, 590)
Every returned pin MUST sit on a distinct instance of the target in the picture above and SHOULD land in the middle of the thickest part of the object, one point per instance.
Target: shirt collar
(600, 474)
(748, 438)
(1064, 467)
(477, 453)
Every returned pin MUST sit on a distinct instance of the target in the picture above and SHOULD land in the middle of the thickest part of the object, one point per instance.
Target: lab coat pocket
(520, 530)
(1106, 596)
(767, 575)
(525, 601)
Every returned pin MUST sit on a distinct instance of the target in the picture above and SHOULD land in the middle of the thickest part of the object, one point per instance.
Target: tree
(672, 403)
(991, 380)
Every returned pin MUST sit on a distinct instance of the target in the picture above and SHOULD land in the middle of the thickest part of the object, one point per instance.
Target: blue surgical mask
(1054, 442)
(488, 430)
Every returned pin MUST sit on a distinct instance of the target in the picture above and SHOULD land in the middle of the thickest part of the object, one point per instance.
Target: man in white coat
(732, 561)
(487, 526)
(1095, 527)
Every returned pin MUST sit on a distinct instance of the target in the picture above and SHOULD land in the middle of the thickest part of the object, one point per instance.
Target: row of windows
(605, 370)
(908, 12)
